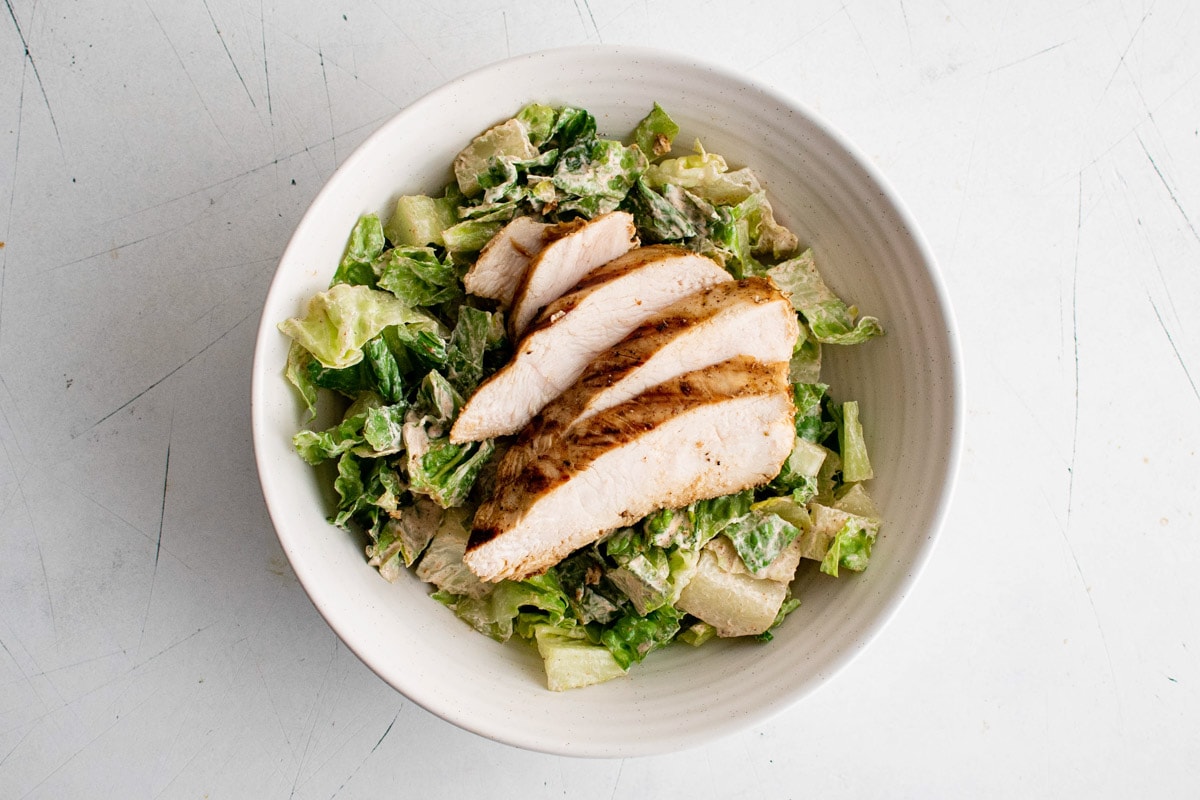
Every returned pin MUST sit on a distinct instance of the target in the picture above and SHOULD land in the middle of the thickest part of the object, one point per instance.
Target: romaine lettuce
(830, 320)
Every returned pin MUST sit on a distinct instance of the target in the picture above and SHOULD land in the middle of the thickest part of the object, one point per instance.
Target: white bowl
(907, 384)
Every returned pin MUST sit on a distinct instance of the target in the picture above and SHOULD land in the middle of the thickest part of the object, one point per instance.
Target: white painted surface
(154, 640)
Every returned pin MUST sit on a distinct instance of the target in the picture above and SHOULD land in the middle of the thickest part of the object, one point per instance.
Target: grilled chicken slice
(577, 327)
(563, 263)
(749, 317)
(703, 434)
(503, 261)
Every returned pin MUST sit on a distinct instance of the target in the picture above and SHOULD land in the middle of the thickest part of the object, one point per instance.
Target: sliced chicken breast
(576, 328)
(563, 263)
(503, 261)
(749, 317)
(704, 434)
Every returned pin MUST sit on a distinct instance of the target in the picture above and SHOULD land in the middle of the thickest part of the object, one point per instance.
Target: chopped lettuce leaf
(597, 174)
(830, 320)
(476, 333)
(572, 126)
(655, 133)
(297, 373)
(365, 245)
(416, 276)
(340, 320)
(656, 219)
(538, 121)
(317, 446)
(384, 369)
(383, 430)
(441, 469)
(442, 565)
(798, 475)
(759, 538)
(805, 364)
(571, 660)
(850, 548)
(633, 636)
(509, 138)
(810, 424)
(856, 466)
(469, 236)
(709, 517)
(419, 220)
(540, 600)
(697, 633)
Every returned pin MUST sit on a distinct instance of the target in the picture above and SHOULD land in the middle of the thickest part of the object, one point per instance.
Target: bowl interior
(906, 383)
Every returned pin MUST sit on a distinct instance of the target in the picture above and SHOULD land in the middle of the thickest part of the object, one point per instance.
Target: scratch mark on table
(1075, 345)
(37, 540)
(187, 74)
(189, 360)
(274, 708)
(236, 71)
(617, 782)
(1125, 52)
(36, 75)
(161, 518)
(1174, 348)
(266, 68)
(507, 46)
(350, 777)
(862, 42)
(1167, 186)
(162, 513)
(312, 729)
(328, 102)
(591, 16)
(12, 195)
(907, 28)
(403, 32)
(1023, 59)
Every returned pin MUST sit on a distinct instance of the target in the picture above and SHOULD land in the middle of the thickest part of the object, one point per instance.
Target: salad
(399, 344)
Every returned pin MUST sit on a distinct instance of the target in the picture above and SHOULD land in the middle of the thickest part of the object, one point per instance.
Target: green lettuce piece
(442, 564)
(697, 633)
(416, 276)
(317, 446)
(476, 333)
(538, 121)
(830, 320)
(850, 548)
(441, 469)
(340, 320)
(297, 372)
(590, 593)
(702, 169)
(597, 174)
(856, 466)
(656, 219)
(469, 236)
(540, 600)
(655, 133)
(573, 125)
(631, 638)
(383, 430)
(509, 139)
(654, 576)
(810, 425)
(709, 517)
(419, 220)
(506, 182)
(805, 364)
(571, 660)
(384, 369)
(759, 538)
(365, 244)
(437, 400)
(798, 475)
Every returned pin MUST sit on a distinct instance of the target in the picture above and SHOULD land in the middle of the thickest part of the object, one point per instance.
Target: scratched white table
(154, 158)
